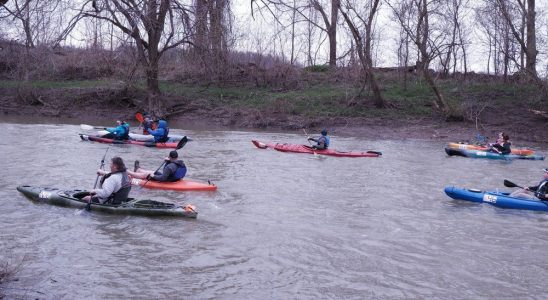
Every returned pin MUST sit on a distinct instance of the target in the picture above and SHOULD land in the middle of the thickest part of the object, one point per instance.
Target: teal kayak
(73, 198)
(489, 155)
(498, 199)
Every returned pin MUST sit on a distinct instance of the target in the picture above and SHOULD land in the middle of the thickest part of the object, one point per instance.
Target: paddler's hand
(149, 177)
(101, 172)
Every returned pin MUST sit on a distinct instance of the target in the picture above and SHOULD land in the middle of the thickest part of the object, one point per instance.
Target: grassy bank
(318, 99)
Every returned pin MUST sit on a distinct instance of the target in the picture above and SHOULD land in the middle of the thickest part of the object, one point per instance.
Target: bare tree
(356, 19)
(455, 32)
(429, 40)
(329, 14)
(40, 20)
(145, 22)
(529, 44)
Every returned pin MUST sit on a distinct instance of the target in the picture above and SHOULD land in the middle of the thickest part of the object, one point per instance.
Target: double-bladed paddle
(375, 152)
(508, 183)
(88, 206)
(308, 139)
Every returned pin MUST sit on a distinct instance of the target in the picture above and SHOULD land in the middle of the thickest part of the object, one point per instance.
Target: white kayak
(145, 137)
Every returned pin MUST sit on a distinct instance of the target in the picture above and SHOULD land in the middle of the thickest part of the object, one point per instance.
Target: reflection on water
(280, 226)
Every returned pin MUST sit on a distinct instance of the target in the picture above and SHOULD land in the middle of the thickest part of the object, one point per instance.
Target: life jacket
(542, 190)
(122, 194)
(179, 173)
(326, 140)
(162, 124)
(125, 134)
(164, 137)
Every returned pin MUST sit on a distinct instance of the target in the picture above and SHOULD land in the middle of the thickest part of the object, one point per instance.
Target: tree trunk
(332, 33)
(423, 32)
(531, 57)
(154, 103)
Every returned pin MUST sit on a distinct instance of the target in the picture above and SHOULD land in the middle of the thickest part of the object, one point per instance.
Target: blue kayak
(490, 155)
(498, 199)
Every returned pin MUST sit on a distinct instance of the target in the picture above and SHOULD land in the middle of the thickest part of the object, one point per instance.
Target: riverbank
(494, 109)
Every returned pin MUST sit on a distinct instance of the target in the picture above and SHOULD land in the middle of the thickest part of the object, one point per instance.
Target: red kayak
(307, 149)
(92, 138)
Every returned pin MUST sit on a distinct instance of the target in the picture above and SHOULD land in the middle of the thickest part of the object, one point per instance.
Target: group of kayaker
(116, 184)
(158, 129)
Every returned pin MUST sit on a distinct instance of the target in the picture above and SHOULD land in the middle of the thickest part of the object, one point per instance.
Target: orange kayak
(516, 151)
(180, 185)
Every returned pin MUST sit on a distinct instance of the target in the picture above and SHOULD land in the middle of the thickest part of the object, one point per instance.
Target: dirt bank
(87, 105)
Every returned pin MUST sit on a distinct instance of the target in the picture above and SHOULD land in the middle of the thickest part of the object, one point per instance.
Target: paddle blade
(139, 117)
(508, 183)
(86, 127)
(259, 144)
(375, 152)
(182, 142)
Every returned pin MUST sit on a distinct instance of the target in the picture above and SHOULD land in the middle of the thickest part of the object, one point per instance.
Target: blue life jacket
(161, 133)
(120, 132)
(125, 133)
(326, 139)
(181, 172)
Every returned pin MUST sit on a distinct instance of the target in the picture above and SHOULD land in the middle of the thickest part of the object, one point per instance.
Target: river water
(280, 226)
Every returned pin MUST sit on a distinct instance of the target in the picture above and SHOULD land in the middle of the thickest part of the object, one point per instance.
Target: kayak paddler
(174, 170)
(120, 132)
(536, 192)
(502, 146)
(322, 142)
(114, 187)
(160, 134)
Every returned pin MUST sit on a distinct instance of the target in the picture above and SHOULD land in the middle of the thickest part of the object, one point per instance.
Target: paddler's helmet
(324, 131)
(545, 170)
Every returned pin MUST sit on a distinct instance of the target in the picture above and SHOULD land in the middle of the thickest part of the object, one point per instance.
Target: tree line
(434, 37)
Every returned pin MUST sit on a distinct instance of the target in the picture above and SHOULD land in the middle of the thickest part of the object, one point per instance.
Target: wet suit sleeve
(168, 170)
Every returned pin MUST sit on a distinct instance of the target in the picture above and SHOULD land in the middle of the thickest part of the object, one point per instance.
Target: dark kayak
(99, 139)
(73, 198)
(498, 199)
(306, 149)
(489, 155)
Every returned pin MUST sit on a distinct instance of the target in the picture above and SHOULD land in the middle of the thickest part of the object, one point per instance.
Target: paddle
(139, 117)
(311, 146)
(88, 206)
(180, 145)
(375, 152)
(508, 183)
(89, 127)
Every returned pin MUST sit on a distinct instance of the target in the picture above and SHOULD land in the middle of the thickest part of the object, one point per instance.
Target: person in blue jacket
(174, 170)
(120, 132)
(536, 192)
(322, 142)
(160, 134)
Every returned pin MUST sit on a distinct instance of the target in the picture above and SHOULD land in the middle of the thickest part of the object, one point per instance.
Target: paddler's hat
(324, 131)
(545, 170)
(173, 154)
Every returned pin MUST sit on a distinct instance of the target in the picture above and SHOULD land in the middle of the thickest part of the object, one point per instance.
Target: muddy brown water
(280, 226)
